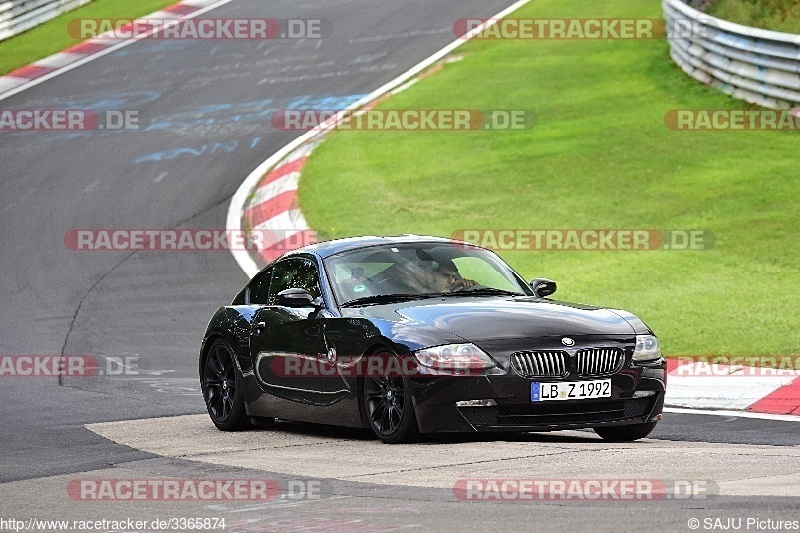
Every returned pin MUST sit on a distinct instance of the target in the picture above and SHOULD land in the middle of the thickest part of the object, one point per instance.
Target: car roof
(328, 248)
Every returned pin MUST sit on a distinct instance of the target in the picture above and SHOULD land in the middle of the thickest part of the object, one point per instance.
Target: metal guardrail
(17, 16)
(755, 65)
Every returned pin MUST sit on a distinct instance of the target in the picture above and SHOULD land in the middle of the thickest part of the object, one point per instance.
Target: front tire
(222, 389)
(625, 433)
(387, 406)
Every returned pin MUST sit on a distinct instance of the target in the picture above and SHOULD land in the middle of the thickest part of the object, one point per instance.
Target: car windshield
(380, 273)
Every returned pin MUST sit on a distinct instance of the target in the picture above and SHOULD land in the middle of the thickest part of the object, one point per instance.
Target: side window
(259, 288)
(294, 274)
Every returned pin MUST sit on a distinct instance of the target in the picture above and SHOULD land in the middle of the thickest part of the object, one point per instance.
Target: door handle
(331, 355)
(260, 327)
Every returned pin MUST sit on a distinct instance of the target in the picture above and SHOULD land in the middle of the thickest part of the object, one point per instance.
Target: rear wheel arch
(232, 342)
(209, 342)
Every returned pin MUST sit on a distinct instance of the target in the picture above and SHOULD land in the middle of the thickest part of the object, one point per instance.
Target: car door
(287, 344)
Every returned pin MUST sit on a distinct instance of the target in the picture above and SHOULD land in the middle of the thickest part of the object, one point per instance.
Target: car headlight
(456, 359)
(647, 348)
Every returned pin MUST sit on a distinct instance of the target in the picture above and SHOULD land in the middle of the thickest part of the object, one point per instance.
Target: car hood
(501, 318)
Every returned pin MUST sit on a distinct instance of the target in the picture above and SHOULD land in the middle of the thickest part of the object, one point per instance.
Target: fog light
(477, 403)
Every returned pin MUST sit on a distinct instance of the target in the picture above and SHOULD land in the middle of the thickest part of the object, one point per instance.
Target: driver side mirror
(543, 287)
(298, 298)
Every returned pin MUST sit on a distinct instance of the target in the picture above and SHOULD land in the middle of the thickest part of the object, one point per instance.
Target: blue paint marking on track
(252, 118)
(248, 112)
(216, 114)
(196, 151)
(172, 154)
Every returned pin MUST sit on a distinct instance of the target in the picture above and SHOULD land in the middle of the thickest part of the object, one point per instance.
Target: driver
(446, 278)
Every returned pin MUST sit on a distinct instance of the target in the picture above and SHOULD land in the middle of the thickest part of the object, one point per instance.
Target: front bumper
(637, 396)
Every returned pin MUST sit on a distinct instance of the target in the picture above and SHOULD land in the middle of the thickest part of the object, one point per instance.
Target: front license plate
(570, 390)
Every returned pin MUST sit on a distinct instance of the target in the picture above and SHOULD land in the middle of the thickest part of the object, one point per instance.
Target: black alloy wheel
(222, 389)
(388, 407)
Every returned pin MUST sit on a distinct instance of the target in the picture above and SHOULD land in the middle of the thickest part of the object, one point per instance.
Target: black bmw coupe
(417, 335)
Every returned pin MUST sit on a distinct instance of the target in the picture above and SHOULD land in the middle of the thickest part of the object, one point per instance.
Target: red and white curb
(81, 53)
(701, 385)
(273, 212)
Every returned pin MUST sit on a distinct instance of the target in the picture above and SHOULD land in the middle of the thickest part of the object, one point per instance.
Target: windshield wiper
(382, 299)
(391, 298)
(477, 292)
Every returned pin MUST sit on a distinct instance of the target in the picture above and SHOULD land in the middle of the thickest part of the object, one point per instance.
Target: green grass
(599, 157)
(777, 15)
(52, 36)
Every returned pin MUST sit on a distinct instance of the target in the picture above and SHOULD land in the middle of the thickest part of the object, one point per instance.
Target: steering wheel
(461, 288)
